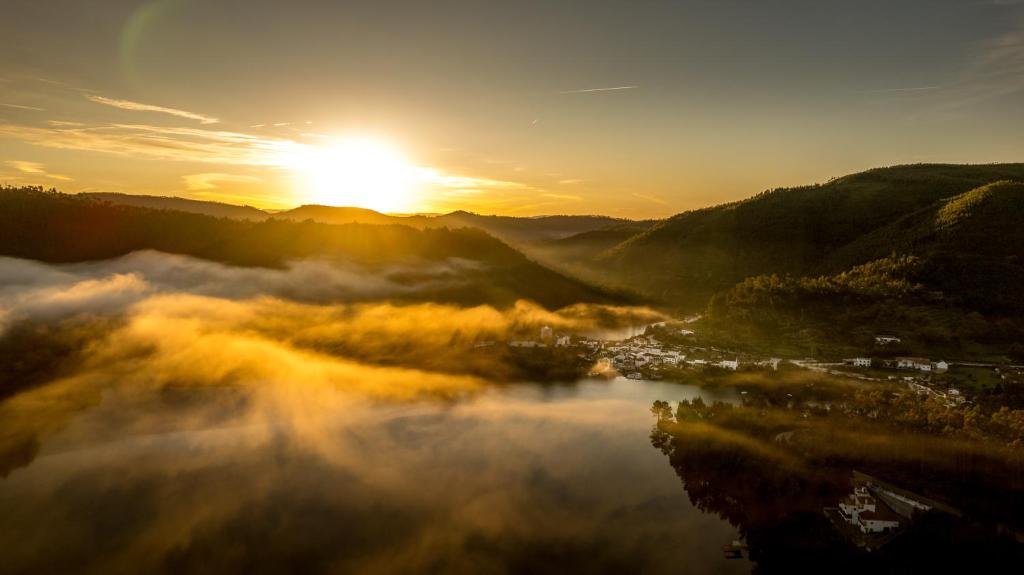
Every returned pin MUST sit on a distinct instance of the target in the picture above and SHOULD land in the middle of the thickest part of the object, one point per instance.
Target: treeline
(885, 296)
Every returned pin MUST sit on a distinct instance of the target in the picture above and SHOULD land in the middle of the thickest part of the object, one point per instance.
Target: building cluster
(862, 510)
(646, 353)
(548, 337)
(922, 364)
(637, 353)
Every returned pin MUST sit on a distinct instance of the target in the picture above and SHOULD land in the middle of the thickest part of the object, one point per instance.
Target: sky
(633, 108)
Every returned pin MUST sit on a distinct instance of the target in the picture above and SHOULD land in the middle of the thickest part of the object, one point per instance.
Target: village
(666, 351)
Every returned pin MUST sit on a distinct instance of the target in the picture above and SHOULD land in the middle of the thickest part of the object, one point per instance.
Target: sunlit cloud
(139, 107)
(209, 180)
(567, 197)
(156, 142)
(36, 169)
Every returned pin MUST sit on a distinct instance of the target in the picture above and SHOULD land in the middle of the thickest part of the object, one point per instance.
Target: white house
(941, 366)
(861, 510)
(859, 361)
(732, 364)
(918, 363)
(686, 332)
(562, 341)
(886, 339)
(545, 333)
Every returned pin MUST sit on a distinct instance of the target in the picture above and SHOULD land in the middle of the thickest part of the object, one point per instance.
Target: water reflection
(796, 496)
(221, 479)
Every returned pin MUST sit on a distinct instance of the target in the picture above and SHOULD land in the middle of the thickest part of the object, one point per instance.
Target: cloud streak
(209, 180)
(36, 169)
(21, 107)
(139, 107)
(590, 90)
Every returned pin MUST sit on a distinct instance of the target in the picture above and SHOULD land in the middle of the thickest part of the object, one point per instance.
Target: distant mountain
(215, 209)
(343, 215)
(687, 258)
(55, 227)
(515, 230)
(518, 229)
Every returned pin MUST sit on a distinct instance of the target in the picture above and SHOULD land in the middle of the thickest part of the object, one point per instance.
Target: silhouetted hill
(688, 257)
(516, 230)
(346, 215)
(55, 227)
(215, 209)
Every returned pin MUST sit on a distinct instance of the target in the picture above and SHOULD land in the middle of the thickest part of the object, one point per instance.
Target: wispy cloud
(158, 143)
(565, 197)
(899, 90)
(139, 107)
(36, 169)
(651, 198)
(589, 90)
(21, 107)
(209, 180)
(996, 71)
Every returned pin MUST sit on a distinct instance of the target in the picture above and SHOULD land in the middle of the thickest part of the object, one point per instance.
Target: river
(515, 478)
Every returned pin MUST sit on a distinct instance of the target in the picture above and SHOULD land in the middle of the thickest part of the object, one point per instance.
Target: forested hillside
(55, 227)
(948, 276)
(689, 257)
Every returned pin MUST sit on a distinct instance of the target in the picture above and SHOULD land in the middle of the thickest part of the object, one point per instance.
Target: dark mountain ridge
(512, 229)
(54, 227)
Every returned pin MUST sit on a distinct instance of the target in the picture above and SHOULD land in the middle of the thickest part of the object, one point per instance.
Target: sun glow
(360, 172)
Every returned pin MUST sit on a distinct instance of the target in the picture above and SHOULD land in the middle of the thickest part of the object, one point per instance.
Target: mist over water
(323, 480)
(166, 414)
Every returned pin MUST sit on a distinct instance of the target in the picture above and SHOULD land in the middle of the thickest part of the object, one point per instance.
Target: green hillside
(945, 277)
(687, 258)
(55, 227)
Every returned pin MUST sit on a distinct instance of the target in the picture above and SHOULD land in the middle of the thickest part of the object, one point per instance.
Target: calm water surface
(522, 478)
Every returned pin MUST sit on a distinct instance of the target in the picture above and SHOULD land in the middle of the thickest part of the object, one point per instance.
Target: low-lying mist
(169, 410)
(158, 325)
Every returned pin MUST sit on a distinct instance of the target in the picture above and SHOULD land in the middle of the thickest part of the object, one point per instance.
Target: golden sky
(636, 109)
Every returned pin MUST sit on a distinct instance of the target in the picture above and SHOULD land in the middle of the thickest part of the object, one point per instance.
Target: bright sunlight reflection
(361, 172)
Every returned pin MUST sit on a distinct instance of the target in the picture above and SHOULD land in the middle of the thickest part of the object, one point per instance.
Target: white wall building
(732, 364)
(861, 510)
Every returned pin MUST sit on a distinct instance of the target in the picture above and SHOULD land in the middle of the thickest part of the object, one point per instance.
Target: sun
(360, 172)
